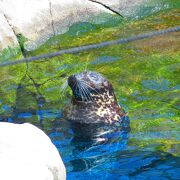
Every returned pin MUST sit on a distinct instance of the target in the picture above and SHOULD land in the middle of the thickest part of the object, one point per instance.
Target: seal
(93, 100)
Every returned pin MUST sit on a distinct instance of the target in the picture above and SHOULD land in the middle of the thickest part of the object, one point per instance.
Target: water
(145, 76)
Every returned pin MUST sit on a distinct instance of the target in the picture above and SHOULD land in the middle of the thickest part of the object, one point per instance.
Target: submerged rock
(27, 153)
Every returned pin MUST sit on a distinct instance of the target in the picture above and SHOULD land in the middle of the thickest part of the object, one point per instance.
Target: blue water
(110, 156)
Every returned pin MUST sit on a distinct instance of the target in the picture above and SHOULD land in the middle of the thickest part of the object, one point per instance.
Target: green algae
(10, 53)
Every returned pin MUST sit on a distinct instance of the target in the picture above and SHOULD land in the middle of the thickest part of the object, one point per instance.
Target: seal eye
(93, 76)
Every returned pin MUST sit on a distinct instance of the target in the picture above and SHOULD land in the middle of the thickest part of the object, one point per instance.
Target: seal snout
(72, 80)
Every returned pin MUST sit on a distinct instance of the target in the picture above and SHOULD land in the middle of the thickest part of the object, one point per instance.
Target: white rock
(30, 18)
(124, 7)
(39, 20)
(7, 36)
(68, 12)
(26, 153)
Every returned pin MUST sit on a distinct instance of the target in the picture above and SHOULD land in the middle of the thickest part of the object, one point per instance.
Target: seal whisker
(87, 91)
(89, 97)
(92, 88)
(86, 84)
(92, 99)
(79, 88)
(75, 84)
(84, 92)
(63, 88)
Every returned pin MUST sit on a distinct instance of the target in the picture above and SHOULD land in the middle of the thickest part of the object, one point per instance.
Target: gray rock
(124, 7)
(42, 19)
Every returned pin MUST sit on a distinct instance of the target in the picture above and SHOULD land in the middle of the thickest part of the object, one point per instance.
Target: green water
(145, 76)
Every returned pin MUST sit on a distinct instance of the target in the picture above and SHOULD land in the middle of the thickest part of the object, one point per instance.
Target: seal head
(93, 99)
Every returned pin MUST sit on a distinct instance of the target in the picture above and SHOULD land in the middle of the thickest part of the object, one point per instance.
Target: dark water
(145, 76)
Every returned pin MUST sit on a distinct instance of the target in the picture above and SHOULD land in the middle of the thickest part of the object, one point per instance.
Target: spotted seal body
(93, 99)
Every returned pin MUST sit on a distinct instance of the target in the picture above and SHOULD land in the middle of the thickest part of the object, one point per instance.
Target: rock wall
(124, 7)
(7, 36)
(39, 20)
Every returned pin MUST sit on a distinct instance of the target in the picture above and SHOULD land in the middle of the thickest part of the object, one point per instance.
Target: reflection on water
(145, 76)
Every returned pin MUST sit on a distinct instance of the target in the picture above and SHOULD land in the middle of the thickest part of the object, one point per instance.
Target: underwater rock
(27, 153)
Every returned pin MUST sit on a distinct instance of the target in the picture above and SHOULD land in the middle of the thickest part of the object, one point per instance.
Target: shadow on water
(90, 140)
(28, 103)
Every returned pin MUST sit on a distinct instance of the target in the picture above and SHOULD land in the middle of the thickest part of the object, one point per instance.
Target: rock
(124, 7)
(30, 18)
(39, 20)
(26, 153)
(7, 36)
(67, 13)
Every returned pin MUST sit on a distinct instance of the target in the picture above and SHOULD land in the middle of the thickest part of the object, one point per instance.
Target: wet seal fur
(93, 100)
